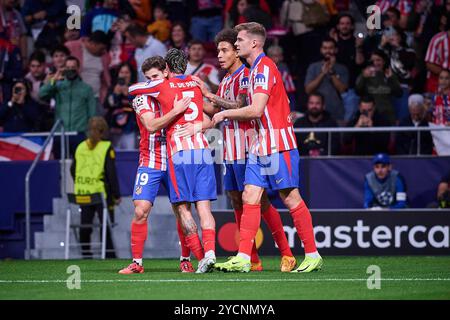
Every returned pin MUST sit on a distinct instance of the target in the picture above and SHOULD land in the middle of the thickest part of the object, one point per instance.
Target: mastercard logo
(228, 237)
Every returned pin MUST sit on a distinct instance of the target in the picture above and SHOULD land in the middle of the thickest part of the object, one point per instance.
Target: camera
(365, 113)
(52, 70)
(121, 81)
(17, 90)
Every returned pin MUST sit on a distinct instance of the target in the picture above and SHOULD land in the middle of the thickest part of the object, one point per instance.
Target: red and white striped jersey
(152, 146)
(236, 140)
(165, 92)
(441, 109)
(404, 6)
(274, 129)
(438, 52)
(206, 69)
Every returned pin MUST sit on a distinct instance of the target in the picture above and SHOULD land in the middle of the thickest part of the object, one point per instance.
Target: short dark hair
(157, 62)
(381, 54)
(176, 61)
(136, 30)
(328, 39)
(367, 99)
(394, 11)
(317, 94)
(74, 59)
(194, 42)
(252, 28)
(345, 15)
(226, 35)
(60, 48)
(38, 56)
(100, 37)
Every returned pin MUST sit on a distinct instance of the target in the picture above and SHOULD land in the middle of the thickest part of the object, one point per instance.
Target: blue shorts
(191, 176)
(147, 183)
(276, 171)
(234, 175)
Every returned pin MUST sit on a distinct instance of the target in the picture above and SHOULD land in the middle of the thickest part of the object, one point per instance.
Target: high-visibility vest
(90, 168)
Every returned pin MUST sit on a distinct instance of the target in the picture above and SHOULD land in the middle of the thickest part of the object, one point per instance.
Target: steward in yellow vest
(94, 171)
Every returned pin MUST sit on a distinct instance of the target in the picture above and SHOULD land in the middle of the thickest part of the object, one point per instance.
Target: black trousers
(87, 217)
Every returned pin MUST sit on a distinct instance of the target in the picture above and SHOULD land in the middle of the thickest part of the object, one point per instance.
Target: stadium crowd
(335, 74)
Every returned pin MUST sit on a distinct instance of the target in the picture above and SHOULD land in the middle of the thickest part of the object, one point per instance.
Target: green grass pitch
(340, 278)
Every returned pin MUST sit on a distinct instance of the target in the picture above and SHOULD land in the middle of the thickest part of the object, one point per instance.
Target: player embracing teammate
(232, 94)
(273, 159)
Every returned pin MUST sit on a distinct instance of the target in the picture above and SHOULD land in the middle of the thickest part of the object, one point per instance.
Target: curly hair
(176, 61)
(226, 35)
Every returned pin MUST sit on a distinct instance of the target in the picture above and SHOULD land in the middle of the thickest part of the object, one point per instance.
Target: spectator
(100, 18)
(235, 11)
(406, 142)
(12, 26)
(37, 74)
(94, 171)
(401, 62)
(178, 37)
(378, 80)
(142, 11)
(160, 28)
(197, 67)
(275, 53)
(121, 50)
(146, 46)
(21, 113)
(71, 35)
(443, 193)
(75, 102)
(206, 19)
(367, 143)
(438, 56)
(120, 114)
(316, 144)
(349, 54)
(59, 54)
(92, 53)
(10, 68)
(46, 21)
(384, 187)
(329, 78)
(440, 107)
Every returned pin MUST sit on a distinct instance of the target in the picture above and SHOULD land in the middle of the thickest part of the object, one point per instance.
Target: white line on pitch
(225, 280)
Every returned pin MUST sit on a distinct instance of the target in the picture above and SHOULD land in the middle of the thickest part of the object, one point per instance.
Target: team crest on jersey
(260, 80)
(244, 82)
(138, 190)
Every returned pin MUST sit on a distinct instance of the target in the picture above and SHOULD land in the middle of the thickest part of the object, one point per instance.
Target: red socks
(303, 224)
(209, 240)
(250, 221)
(138, 237)
(194, 244)
(185, 251)
(254, 255)
(273, 221)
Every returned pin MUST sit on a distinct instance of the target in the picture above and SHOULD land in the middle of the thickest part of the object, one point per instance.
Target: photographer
(443, 193)
(378, 80)
(21, 113)
(120, 114)
(368, 143)
(75, 102)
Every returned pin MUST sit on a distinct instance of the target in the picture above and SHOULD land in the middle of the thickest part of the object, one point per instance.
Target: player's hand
(201, 85)
(181, 105)
(188, 129)
(218, 118)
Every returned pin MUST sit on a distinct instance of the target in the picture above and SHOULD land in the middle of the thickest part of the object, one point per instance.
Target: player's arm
(253, 111)
(151, 88)
(147, 116)
(218, 101)
(189, 129)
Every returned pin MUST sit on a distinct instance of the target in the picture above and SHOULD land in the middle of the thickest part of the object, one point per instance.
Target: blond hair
(97, 131)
